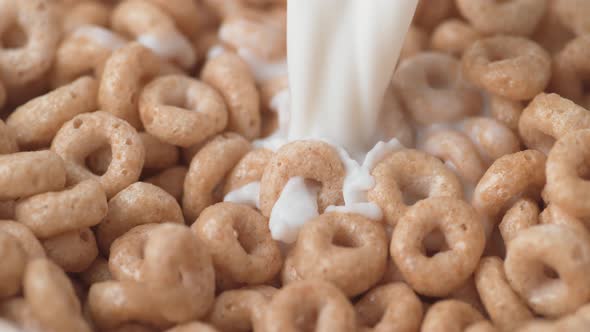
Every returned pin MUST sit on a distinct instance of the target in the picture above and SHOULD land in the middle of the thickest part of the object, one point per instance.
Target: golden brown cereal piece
(26, 238)
(549, 117)
(408, 176)
(249, 169)
(86, 133)
(560, 248)
(24, 174)
(181, 111)
(348, 250)
(240, 243)
(98, 271)
(492, 138)
(83, 52)
(511, 67)
(207, 170)
(313, 160)
(453, 36)
(506, 309)
(87, 12)
(73, 251)
(553, 214)
(192, 327)
(14, 260)
(26, 57)
(124, 75)
(51, 297)
(416, 41)
(551, 32)
(521, 174)
(571, 69)
(458, 153)
(241, 309)
(53, 213)
(393, 308)
(429, 80)
(567, 171)
(36, 122)
(468, 294)
(310, 305)
(7, 139)
(167, 279)
(482, 326)
(450, 316)
(429, 13)
(518, 17)
(447, 270)
(230, 75)
(140, 203)
(506, 111)
(185, 14)
(171, 180)
(522, 215)
(573, 14)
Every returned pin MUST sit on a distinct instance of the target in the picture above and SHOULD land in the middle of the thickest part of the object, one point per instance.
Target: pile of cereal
(126, 123)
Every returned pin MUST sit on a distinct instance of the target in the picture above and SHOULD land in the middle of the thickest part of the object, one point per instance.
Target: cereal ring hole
(246, 240)
(434, 243)
(412, 195)
(14, 37)
(98, 161)
(344, 239)
(84, 236)
(438, 80)
(550, 273)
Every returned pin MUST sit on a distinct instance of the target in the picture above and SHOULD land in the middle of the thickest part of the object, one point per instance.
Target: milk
(341, 56)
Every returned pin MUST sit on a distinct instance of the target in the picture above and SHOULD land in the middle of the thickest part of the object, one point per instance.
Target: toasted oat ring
(554, 214)
(241, 309)
(309, 305)
(51, 297)
(548, 118)
(416, 41)
(506, 111)
(166, 278)
(563, 250)
(171, 180)
(240, 243)
(573, 14)
(450, 316)
(83, 13)
(29, 243)
(185, 14)
(429, 80)
(140, 203)
(519, 17)
(86, 133)
(521, 174)
(83, 51)
(53, 213)
(453, 36)
(14, 260)
(505, 307)
(36, 122)
(207, 170)
(492, 138)
(7, 139)
(447, 270)
(73, 251)
(523, 214)
(98, 271)
(407, 174)
(24, 174)
(312, 160)
(192, 327)
(124, 74)
(458, 152)
(429, 13)
(230, 75)
(390, 308)
(567, 164)
(27, 58)
(348, 250)
(181, 111)
(570, 69)
(512, 67)
(249, 169)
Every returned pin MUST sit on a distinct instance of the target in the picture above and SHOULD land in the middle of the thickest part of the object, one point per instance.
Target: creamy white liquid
(341, 55)
(104, 37)
(247, 194)
(170, 46)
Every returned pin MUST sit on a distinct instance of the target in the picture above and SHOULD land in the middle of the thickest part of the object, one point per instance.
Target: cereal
(522, 215)
(27, 240)
(430, 13)
(492, 138)
(570, 69)
(181, 111)
(556, 247)
(240, 243)
(171, 180)
(511, 67)
(444, 272)
(249, 169)
(98, 271)
(24, 174)
(88, 12)
(242, 309)
(348, 250)
(573, 14)
(506, 111)
(553, 214)
(192, 327)
(504, 306)
(230, 75)
(429, 79)
(36, 122)
(408, 176)
(13, 265)
(8, 142)
(185, 14)
(518, 17)
(73, 251)
(392, 307)
(207, 170)
(140, 203)
(86, 133)
(309, 305)
(450, 315)
(453, 36)
(416, 41)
